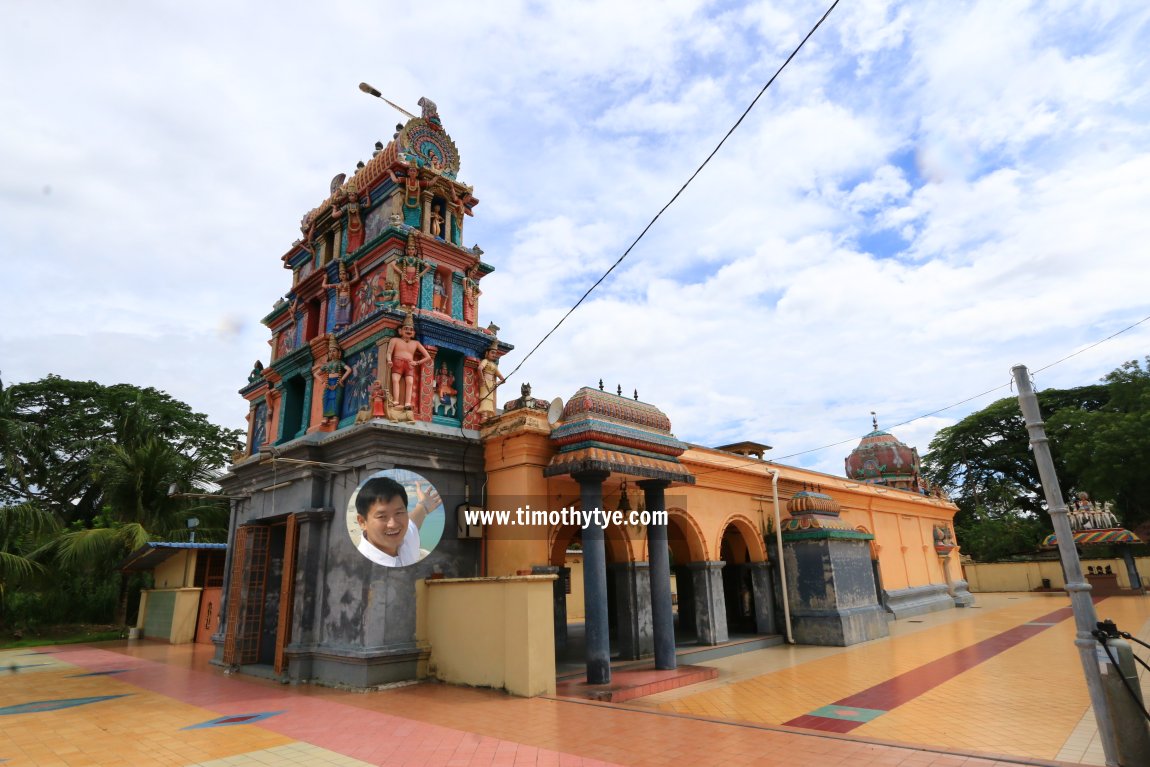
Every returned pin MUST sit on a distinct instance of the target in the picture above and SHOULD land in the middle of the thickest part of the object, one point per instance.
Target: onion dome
(881, 459)
(810, 502)
(815, 515)
(600, 431)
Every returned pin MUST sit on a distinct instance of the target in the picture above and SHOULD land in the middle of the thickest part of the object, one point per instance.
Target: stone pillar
(558, 601)
(710, 608)
(425, 224)
(595, 580)
(764, 594)
(633, 609)
(310, 564)
(662, 617)
(1131, 568)
(957, 588)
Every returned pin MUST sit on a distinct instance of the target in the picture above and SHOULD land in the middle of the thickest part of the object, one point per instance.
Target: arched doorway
(744, 558)
(566, 554)
(685, 541)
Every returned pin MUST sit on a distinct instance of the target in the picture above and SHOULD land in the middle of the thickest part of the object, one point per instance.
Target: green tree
(56, 432)
(86, 471)
(986, 464)
(1107, 449)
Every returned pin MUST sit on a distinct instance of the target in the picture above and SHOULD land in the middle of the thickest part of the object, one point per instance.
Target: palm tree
(136, 473)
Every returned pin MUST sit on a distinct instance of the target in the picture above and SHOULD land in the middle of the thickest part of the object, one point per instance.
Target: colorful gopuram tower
(383, 250)
(378, 369)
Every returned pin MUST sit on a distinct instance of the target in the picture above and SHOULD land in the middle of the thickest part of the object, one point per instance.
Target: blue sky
(931, 193)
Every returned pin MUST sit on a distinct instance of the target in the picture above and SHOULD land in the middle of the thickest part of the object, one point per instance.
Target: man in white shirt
(390, 532)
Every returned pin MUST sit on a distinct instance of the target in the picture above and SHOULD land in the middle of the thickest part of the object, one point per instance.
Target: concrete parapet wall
(492, 632)
(1028, 576)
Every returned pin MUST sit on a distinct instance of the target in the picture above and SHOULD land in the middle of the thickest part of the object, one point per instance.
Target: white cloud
(157, 165)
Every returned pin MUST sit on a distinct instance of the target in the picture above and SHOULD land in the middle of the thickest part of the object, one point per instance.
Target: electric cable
(676, 195)
(1102, 637)
(933, 412)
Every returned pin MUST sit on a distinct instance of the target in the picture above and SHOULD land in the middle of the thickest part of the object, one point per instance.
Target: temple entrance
(686, 546)
(738, 586)
(567, 554)
(260, 594)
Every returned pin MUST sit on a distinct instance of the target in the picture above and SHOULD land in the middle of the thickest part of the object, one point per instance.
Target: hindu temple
(377, 430)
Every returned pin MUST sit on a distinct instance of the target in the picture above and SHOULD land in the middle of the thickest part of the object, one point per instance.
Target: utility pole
(1085, 618)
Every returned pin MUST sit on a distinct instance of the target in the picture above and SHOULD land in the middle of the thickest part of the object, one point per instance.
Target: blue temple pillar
(662, 619)
(595, 579)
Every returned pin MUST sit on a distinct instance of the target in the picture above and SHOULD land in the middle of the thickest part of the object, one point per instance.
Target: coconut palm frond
(15, 568)
(100, 545)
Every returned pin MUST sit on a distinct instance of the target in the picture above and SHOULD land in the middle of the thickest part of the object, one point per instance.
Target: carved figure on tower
(439, 294)
(342, 295)
(412, 186)
(387, 296)
(411, 268)
(489, 380)
(445, 392)
(471, 294)
(333, 373)
(404, 354)
(346, 202)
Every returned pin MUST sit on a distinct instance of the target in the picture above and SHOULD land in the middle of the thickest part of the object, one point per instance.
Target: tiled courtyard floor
(959, 688)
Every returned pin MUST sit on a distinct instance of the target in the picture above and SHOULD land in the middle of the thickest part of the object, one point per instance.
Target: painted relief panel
(357, 390)
(259, 427)
(377, 220)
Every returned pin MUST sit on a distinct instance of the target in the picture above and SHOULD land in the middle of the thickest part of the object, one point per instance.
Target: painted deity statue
(439, 295)
(471, 294)
(489, 380)
(346, 202)
(334, 374)
(342, 295)
(386, 296)
(404, 354)
(410, 268)
(412, 186)
(445, 391)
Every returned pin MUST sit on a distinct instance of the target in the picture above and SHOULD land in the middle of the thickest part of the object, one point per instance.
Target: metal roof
(153, 553)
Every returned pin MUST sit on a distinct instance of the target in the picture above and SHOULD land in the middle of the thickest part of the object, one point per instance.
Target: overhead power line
(670, 202)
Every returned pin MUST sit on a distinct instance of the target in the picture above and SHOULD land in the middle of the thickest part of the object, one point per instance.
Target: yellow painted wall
(175, 571)
(1027, 576)
(729, 490)
(185, 609)
(576, 610)
(516, 649)
(516, 450)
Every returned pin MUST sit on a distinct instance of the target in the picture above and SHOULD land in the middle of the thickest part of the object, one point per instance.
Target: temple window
(311, 325)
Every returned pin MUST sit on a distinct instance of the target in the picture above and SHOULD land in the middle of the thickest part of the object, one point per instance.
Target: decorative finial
(600, 384)
(619, 390)
(636, 395)
(874, 420)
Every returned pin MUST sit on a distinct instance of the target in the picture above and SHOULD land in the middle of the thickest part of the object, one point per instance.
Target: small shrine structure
(1095, 524)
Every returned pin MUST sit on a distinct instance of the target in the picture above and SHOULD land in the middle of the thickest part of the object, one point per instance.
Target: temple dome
(603, 431)
(882, 459)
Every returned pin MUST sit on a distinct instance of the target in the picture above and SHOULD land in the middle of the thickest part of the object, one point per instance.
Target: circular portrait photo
(395, 518)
